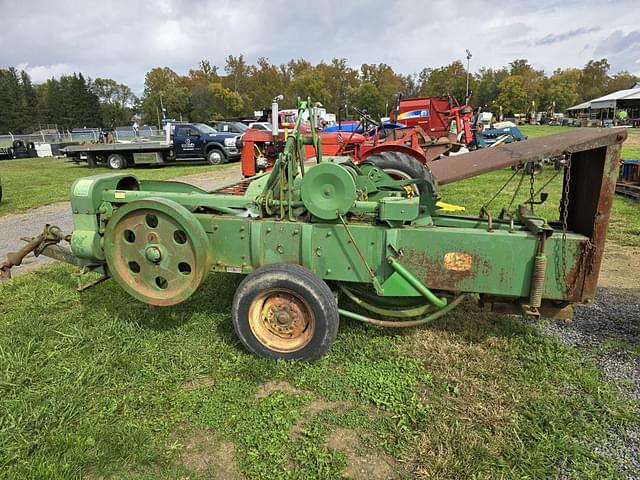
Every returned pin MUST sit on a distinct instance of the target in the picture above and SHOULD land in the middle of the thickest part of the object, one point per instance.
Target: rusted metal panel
(600, 219)
(455, 168)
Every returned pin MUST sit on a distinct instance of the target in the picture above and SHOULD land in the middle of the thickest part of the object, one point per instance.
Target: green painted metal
(417, 284)
(405, 323)
(328, 190)
(348, 224)
(157, 251)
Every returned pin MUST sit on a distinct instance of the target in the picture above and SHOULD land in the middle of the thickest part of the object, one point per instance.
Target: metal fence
(82, 135)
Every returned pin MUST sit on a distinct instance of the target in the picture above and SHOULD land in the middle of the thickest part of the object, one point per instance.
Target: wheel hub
(282, 321)
(153, 254)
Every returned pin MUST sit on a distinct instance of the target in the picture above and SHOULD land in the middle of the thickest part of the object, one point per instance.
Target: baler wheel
(285, 311)
(157, 251)
(402, 166)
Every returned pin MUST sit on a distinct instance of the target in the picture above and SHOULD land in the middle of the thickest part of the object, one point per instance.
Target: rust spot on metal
(457, 261)
(433, 272)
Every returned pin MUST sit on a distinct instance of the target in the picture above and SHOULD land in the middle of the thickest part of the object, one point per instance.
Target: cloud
(561, 37)
(42, 73)
(123, 40)
(622, 50)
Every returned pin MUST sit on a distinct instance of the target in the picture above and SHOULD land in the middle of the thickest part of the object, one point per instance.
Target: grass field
(34, 182)
(96, 385)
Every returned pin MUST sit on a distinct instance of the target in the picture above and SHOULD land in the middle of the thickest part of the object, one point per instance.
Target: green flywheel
(328, 189)
(157, 251)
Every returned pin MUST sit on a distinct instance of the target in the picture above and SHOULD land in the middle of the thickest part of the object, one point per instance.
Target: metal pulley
(157, 251)
(327, 189)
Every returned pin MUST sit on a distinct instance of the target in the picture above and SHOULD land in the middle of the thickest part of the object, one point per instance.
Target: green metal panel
(399, 209)
(443, 258)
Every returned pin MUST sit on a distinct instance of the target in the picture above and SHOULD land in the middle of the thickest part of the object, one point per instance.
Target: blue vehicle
(184, 141)
(489, 137)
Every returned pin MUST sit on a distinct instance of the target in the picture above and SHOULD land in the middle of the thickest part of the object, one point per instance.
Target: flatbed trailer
(183, 141)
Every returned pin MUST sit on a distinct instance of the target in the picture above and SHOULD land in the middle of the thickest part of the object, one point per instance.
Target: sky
(125, 39)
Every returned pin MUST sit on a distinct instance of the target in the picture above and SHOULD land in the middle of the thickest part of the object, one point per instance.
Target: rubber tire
(115, 161)
(0, 193)
(216, 157)
(533, 167)
(304, 283)
(405, 163)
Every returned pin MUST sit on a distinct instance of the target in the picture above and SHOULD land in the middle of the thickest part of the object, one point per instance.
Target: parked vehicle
(184, 141)
(229, 126)
(266, 126)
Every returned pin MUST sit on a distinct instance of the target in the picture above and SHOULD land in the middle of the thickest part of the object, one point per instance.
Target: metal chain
(532, 189)
(565, 216)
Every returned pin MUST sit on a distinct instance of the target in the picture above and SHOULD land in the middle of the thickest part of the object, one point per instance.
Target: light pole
(162, 107)
(468, 71)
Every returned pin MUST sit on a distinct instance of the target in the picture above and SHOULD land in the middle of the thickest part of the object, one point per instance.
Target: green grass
(630, 149)
(34, 182)
(624, 225)
(96, 385)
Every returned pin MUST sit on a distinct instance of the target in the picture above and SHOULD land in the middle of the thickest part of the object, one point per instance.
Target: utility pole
(468, 72)
(162, 107)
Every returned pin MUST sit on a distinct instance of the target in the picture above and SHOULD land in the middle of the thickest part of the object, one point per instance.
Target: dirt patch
(276, 386)
(312, 410)
(199, 382)
(370, 466)
(204, 453)
(620, 267)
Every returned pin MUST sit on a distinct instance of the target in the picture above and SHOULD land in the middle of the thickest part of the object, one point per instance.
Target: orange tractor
(402, 151)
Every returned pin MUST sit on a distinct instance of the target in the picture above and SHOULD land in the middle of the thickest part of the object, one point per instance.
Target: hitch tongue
(51, 235)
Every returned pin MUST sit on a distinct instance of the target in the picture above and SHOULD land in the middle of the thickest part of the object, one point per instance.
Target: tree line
(207, 93)
(68, 102)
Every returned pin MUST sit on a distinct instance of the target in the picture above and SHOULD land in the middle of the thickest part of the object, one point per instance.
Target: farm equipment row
(421, 130)
(342, 239)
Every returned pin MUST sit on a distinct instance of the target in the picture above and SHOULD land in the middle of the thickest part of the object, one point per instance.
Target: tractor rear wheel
(400, 165)
(285, 311)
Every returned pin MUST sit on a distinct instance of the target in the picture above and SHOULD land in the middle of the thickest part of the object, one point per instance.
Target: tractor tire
(285, 311)
(403, 166)
(533, 167)
(115, 161)
(216, 157)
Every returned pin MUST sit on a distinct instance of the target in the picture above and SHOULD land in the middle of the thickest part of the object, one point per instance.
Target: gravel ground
(609, 331)
(31, 223)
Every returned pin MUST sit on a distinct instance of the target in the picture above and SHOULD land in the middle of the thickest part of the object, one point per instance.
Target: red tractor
(400, 151)
(435, 115)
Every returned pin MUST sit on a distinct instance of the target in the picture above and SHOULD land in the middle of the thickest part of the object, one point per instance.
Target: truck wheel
(116, 161)
(285, 311)
(216, 157)
(400, 165)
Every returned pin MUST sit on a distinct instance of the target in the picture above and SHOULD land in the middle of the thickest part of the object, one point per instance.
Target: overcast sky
(124, 39)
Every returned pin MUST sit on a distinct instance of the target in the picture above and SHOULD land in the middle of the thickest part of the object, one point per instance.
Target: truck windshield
(203, 128)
